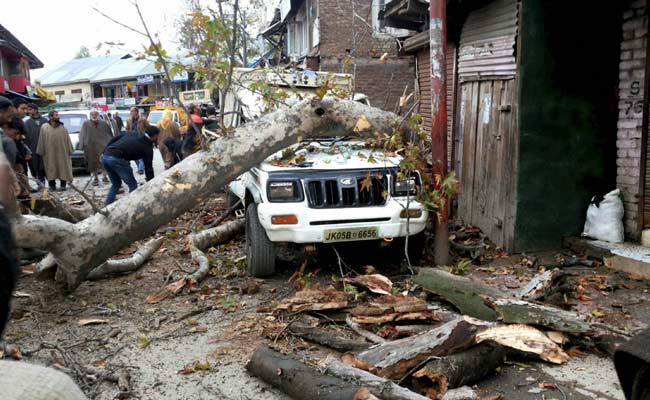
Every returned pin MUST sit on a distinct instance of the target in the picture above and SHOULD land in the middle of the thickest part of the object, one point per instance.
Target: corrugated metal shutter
(487, 42)
(424, 80)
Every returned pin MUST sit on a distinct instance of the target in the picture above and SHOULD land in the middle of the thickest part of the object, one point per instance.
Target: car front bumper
(78, 160)
(312, 223)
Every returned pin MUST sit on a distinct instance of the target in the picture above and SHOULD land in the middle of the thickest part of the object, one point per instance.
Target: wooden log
(394, 360)
(375, 283)
(540, 285)
(525, 339)
(380, 387)
(364, 333)
(393, 332)
(315, 299)
(301, 381)
(326, 337)
(524, 312)
(218, 235)
(463, 293)
(459, 369)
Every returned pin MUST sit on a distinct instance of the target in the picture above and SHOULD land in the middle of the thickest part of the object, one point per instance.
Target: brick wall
(383, 81)
(630, 121)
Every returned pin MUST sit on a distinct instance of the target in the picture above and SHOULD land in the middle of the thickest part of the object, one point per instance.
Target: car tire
(260, 251)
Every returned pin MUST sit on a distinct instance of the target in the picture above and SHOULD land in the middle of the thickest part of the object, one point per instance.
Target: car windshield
(124, 115)
(154, 117)
(73, 122)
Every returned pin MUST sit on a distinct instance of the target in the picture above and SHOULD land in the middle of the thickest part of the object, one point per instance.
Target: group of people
(43, 147)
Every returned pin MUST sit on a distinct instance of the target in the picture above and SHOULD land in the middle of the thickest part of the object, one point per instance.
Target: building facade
(16, 60)
(345, 37)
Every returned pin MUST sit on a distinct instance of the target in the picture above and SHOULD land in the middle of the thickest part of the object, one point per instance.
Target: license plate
(350, 235)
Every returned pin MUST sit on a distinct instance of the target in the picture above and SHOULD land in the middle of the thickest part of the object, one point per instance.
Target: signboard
(130, 101)
(145, 79)
(195, 96)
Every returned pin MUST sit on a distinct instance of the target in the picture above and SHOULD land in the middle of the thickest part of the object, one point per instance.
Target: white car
(326, 191)
(72, 120)
(155, 116)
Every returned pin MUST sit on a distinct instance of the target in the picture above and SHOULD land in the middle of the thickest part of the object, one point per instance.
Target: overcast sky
(54, 30)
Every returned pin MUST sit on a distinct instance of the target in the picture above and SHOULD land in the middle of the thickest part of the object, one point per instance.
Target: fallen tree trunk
(127, 264)
(393, 360)
(466, 295)
(380, 387)
(523, 312)
(301, 381)
(178, 189)
(326, 337)
(459, 369)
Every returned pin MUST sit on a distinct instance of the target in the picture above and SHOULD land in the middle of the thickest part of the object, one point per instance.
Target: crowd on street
(41, 146)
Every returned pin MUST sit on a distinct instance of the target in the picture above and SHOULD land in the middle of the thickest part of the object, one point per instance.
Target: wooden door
(487, 151)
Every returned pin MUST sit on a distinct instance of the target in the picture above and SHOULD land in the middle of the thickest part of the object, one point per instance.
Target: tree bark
(380, 387)
(540, 285)
(459, 369)
(218, 235)
(526, 339)
(394, 360)
(298, 380)
(466, 295)
(178, 189)
(127, 264)
(523, 312)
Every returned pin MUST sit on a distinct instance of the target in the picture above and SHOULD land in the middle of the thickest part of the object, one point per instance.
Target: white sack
(605, 221)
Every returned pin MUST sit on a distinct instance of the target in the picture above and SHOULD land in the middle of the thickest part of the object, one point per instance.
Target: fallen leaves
(143, 341)
(194, 367)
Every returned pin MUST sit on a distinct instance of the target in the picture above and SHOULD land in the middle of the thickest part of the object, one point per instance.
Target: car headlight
(406, 185)
(284, 191)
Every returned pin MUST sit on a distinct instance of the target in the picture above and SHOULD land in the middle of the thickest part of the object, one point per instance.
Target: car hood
(329, 155)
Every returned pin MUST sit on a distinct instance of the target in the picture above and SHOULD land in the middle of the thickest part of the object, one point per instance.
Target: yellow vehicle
(156, 114)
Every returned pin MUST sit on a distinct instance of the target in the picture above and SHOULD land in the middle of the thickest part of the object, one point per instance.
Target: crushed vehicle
(325, 191)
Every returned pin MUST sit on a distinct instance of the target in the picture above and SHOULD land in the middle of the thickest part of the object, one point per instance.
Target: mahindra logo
(346, 181)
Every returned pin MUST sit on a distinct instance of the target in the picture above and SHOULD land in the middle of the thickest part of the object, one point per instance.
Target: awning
(264, 56)
(11, 93)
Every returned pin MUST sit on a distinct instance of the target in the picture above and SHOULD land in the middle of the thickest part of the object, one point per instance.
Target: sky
(54, 30)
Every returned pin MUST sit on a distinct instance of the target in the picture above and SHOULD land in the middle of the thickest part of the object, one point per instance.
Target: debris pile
(401, 346)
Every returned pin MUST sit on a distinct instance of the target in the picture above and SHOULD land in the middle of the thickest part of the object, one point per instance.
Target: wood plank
(510, 136)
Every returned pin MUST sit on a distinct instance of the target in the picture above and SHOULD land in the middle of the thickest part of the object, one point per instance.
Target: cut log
(218, 235)
(127, 264)
(391, 308)
(459, 369)
(376, 283)
(139, 214)
(326, 337)
(380, 387)
(301, 381)
(463, 393)
(466, 295)
(315, 299)
(523, 312)
(540, 285)
(525, 339)
(393, 360)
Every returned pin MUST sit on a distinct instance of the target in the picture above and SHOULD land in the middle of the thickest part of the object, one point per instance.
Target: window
(75, 91)
(59, 93)
(298, 34)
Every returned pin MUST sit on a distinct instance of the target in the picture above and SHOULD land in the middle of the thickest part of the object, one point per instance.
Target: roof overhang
(9, 40)
(406, 14)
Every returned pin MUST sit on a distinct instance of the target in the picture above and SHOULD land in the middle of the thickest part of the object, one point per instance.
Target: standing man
(32, 131)
(93, 138)
(133, 125)
(7, 110)
(124, 148)
(120, 123)
(168, 129)
(55, 147)
(21, 107)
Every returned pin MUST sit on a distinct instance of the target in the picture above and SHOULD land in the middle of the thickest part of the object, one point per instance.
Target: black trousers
(8, 268)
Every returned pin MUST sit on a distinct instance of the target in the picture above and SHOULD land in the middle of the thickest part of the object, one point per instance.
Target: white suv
(72, 120)
(326, 191)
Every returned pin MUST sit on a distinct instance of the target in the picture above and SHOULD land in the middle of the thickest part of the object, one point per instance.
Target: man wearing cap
(55, 147)
(123, 149)
(33, 125)
(93, 138)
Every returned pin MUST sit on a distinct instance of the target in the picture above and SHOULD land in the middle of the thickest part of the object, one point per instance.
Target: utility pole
(438, 43)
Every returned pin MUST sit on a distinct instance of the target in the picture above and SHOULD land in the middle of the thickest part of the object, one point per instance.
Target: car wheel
(260, 251)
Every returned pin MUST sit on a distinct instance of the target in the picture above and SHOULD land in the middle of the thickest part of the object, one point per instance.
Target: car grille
(346, 191)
